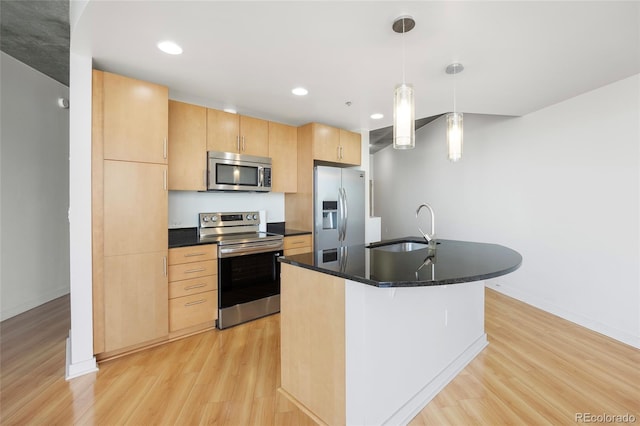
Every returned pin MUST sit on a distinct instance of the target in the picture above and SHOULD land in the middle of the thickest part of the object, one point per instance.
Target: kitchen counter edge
(306, 261)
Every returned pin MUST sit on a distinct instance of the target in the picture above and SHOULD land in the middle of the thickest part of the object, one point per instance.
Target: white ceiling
(518, 56)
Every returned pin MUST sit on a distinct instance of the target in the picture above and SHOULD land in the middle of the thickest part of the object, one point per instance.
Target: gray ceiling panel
(37, 34)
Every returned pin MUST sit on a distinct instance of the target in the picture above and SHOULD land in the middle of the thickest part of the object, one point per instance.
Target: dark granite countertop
(282, 229)
(183, 237)
(452, 262)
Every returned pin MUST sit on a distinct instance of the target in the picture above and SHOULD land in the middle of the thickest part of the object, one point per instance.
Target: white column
(80, 359)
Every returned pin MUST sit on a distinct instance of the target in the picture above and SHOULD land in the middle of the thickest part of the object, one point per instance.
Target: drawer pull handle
(191, 287)
(194, 254)
(196, 302)
(296, 242)
(191, 271)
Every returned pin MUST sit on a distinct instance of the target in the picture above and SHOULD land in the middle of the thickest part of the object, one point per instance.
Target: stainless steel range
(248, 267)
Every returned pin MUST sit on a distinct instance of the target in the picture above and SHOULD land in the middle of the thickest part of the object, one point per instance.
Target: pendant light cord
(454, 92)
(403, 53)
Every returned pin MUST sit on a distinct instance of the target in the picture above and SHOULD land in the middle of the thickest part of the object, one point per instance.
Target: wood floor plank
(538, 369)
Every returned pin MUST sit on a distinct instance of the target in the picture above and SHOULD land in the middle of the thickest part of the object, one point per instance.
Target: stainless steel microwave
(227, 171)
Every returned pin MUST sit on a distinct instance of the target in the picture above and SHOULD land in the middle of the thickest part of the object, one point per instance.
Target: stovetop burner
(233, 228)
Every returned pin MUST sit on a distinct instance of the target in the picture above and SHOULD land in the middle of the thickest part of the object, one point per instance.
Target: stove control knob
(255, 217)
(205, 219)
(248, 217)
(214, 218)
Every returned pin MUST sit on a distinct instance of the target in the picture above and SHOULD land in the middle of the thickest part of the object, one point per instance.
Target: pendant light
(454, 120)
(404, 131)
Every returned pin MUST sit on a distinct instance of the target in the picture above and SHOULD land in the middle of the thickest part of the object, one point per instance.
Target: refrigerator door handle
(340, 215)
(346, 214)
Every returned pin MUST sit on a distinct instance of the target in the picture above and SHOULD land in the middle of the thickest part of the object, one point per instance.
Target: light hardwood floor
(537, 369)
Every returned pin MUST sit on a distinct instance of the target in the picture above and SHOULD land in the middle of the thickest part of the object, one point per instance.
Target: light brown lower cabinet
(297, 244)
(193, 289)
(135, 299)
(189, 311)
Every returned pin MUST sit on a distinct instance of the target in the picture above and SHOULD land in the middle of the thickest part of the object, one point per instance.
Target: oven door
(249, 287)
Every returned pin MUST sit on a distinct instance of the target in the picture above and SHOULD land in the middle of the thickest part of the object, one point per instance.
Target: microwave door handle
(260, 176)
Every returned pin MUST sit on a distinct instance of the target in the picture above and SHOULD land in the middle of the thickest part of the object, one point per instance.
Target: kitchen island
(370, 334)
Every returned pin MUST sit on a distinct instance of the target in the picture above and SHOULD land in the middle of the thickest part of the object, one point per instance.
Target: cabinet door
(189, 311)
(350, 147)
(326, 141)
(254, 136)
(135, 119)
(283, 150)
(187, 147)
(135, 299)
(135, 208)
(223, 131)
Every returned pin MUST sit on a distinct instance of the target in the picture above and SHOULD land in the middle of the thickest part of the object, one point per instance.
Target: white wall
(184, 206)
(561, 186)
(34, 170)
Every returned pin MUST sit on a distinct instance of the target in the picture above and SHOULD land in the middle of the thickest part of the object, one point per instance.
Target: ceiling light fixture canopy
(404, 132)
(454, 120)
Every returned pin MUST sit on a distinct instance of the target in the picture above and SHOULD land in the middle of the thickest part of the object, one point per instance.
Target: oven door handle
(243, 249)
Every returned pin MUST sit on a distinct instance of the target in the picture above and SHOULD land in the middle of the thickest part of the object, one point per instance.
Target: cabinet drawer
(192, 286)
(299, 250)
(192, 310)
(193, 253)
(185, 271)
(297, 241)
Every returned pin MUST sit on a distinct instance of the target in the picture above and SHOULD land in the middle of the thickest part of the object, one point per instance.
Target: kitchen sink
(403, 246)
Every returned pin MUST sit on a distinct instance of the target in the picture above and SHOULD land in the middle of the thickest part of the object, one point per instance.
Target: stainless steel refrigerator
(338, 207)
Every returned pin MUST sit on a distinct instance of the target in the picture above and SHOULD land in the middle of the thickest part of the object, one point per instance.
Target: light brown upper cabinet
(237, 133)
(283, 150)
(325, 142)
(335, 145)
(134, 119)
(350, 147)
(187, 147)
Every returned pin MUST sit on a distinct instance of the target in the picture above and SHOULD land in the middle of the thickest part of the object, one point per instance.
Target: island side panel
(312, 341)
(405, 344)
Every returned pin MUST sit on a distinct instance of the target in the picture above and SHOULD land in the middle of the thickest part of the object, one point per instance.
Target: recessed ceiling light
(169, 47)
(299, 91)
(377, 116)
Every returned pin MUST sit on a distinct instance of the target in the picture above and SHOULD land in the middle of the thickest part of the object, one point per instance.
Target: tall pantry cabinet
(129, 213)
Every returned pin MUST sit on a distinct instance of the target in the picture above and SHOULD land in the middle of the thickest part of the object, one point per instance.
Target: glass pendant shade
(454, 135)
(404, 132)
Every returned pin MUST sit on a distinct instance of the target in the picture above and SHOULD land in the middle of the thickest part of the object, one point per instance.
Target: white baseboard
(40, 299)
(80, 368)
(420, 400)
(614, 333)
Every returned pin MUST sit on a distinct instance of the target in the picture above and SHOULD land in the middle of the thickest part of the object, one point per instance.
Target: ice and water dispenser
(329, 215)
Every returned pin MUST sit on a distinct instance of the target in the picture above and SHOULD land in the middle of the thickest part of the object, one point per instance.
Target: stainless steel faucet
(431, 237)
